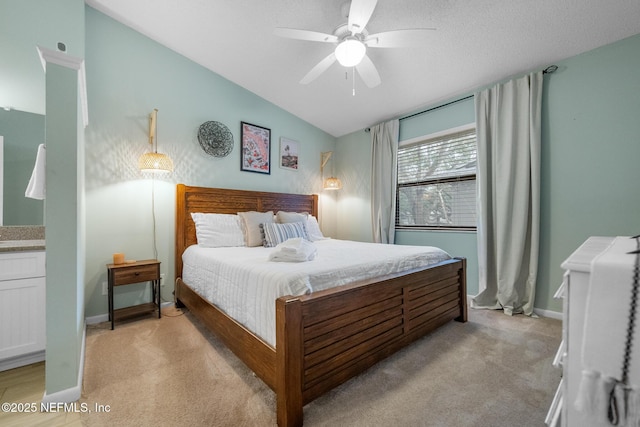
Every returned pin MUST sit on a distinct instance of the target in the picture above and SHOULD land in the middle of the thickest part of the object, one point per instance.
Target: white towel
(604, 337)
(294, 250)
(37, 188)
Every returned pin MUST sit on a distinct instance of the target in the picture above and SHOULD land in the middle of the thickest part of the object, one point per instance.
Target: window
(437, 181)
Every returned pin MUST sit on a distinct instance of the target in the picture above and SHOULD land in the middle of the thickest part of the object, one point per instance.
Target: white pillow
(285, 217)
(274, 234)
(218, 230)
(310, 221)
(313, 229)
(251, 226)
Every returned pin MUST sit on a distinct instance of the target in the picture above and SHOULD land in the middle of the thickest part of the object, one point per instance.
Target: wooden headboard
(221, 200)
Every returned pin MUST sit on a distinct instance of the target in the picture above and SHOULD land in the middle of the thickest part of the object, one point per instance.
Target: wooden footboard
(326, 338)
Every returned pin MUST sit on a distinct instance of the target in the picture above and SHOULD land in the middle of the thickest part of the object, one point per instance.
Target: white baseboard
(96, 319)
(548, 313)
(25, 359)
(540, 312)
(92, 320)
(70, 394)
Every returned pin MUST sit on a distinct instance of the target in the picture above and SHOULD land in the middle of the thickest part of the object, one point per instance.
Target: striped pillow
(274, 233)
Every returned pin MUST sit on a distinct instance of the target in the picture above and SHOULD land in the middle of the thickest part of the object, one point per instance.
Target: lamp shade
(350, 52)
(332, 183)
(155, 162)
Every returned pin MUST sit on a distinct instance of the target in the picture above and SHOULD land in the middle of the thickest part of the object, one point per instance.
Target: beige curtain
(508, 179)
(384, 178)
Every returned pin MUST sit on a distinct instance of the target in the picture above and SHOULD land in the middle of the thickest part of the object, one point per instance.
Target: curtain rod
(435, 108)
(550, 69)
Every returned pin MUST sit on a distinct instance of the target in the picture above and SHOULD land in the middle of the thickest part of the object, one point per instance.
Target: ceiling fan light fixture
(350, 52)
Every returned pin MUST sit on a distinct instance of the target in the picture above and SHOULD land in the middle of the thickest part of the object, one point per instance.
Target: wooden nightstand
(137, 272)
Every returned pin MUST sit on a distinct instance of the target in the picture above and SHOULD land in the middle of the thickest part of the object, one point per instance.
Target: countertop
(21, 245)
(22, 238)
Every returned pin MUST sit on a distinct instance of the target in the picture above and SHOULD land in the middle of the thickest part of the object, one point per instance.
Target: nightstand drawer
(141, 273)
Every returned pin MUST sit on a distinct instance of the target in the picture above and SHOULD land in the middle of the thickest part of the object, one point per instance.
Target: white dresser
(22, 308)
(574, 291)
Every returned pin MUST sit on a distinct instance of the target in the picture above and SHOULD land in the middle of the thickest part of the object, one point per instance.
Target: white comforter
(244, 284)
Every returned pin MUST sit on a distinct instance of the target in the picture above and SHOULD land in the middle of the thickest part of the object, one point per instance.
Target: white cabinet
(574, 291)
(22, 308)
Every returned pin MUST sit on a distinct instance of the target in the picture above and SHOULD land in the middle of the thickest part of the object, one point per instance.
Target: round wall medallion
(215, 139)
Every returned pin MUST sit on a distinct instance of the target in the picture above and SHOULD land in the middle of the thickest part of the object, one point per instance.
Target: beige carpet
(494, 370)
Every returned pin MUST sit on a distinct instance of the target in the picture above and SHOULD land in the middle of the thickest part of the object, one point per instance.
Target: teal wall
(590, 154)
(25, 24)
(446, 116)
(22, 132)
(128, 75)
(589, 175)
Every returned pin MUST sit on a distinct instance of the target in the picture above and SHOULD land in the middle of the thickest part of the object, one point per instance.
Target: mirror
(22, 104)
(22, 133)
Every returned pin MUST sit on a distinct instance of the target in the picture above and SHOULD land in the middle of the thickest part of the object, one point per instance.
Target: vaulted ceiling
(475, 43)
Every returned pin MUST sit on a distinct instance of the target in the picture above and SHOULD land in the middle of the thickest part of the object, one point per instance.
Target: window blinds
(436, 182)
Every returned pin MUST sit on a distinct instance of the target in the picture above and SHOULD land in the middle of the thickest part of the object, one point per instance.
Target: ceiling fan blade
(368, 72)
(360, 13)
(398, 38)
(314, 36)
(320, 68)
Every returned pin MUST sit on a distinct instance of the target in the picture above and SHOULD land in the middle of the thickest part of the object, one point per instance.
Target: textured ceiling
(475, 43)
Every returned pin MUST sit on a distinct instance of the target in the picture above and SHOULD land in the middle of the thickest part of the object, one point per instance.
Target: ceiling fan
(352, 40)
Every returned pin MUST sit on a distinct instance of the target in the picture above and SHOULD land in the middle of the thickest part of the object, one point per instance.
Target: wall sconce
(331, 183)
(154, 161)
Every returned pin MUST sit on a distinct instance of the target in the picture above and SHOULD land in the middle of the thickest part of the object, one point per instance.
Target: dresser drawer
(22, 265)
(142, 273)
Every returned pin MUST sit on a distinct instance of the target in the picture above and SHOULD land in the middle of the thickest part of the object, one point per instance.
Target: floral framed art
(256, 148)
(288, 154)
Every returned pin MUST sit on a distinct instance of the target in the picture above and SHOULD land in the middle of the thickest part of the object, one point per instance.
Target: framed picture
(256, 149)
(288, 154)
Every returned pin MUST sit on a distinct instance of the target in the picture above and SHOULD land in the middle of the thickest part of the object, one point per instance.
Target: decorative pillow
(218, 230)
(285, 217)
(313, 229)
(251, 225)
(274, 233)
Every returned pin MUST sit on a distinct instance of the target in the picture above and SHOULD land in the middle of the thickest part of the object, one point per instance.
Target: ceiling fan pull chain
(354, 81)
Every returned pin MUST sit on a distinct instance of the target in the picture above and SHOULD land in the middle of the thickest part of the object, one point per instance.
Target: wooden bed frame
(324, 338)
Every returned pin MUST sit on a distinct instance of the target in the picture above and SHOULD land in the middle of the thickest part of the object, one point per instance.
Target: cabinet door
(22, 317)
